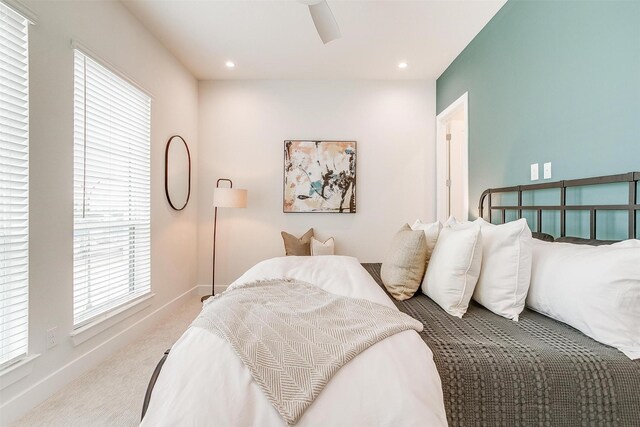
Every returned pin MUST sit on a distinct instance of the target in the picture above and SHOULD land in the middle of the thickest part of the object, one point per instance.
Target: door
(452, 169)
(456, 138)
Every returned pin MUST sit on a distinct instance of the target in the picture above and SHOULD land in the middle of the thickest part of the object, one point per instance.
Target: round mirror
(177, 172)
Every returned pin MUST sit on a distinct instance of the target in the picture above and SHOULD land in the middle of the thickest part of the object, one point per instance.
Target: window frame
(9, 364)
(123, 304)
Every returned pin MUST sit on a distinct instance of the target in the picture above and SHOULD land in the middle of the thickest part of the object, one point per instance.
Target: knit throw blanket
(293, 336)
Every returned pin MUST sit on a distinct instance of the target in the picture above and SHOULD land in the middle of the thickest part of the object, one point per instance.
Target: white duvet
(393, 383)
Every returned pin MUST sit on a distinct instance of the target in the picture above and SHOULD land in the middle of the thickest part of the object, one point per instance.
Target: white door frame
(442, 163)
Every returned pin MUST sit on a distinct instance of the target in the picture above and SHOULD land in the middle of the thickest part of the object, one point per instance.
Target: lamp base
(205, 297)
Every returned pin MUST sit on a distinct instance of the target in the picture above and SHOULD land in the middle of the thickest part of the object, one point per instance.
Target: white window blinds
(112, 218)
(14, 186)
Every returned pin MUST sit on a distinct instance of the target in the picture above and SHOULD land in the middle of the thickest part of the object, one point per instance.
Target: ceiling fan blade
(324, 21)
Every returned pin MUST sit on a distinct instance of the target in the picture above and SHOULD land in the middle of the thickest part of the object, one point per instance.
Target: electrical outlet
(547, 170)
(52, 337)
(534, 172)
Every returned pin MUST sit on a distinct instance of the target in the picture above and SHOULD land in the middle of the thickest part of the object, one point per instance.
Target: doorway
(452, 161)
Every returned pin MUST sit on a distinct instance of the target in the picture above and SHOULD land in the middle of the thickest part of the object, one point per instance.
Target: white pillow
(631, 243)
(595, 289)
(454, 268)
(431, 232)
(452, 221)
(506, 267)
(322, 248)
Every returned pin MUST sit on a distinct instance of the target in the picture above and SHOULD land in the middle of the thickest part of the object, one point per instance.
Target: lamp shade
(229, 198)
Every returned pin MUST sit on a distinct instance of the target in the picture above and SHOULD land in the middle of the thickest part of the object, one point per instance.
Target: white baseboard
(18, 406)
(206, 289)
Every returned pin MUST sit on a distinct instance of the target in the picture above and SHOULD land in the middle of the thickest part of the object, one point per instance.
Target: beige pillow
(294, 246)
(404, 266)
(322, 248)
(431, 232)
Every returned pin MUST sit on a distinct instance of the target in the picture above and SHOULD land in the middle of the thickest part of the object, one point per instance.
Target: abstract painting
(320, 176)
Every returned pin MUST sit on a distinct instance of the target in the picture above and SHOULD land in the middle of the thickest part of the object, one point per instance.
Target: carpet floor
(112, 394)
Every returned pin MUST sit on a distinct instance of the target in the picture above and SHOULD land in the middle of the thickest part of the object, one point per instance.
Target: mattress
(537, 371)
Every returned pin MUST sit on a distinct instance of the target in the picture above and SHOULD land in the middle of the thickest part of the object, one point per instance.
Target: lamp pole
(215, 228)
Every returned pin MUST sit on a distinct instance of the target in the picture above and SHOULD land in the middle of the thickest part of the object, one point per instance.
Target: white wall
(242, 126)
(109, 30)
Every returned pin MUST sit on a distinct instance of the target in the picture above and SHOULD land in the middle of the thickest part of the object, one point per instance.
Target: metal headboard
(632, 207)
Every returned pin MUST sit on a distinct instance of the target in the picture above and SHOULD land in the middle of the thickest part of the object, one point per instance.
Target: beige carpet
(112, 394)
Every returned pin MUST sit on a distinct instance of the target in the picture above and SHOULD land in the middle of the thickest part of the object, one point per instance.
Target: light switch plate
(534, 172)
(547, 170)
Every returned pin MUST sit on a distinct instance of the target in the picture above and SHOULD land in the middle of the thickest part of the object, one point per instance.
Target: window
(111, 212)
(14, 186)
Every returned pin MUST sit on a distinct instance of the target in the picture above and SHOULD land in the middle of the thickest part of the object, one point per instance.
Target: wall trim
(19, 405)
(77, 45)
(17, 371)
(109, 319)
(203, 290)
(20, 8)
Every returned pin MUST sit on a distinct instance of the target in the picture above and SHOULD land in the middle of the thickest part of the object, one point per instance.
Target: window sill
(107, 320)
(17, 371)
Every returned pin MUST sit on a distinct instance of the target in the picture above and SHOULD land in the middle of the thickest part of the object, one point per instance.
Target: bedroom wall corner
(242, 128)
(115, 36)
(552, 82)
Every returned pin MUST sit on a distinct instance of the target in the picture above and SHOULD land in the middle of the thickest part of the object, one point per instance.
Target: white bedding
(393, 383)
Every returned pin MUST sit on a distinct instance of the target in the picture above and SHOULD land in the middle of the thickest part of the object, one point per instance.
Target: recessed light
(402, 65)
(230, 64)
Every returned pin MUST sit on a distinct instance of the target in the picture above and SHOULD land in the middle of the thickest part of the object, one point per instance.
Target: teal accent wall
(554, 81)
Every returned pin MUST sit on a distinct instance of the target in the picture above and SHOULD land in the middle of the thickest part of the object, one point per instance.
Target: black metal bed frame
(632, 178)
(632, 207)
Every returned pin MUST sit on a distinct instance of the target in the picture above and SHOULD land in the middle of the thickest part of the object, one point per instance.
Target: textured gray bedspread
(496, 372)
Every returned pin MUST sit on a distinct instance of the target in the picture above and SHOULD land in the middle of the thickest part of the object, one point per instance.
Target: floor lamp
(223, 197)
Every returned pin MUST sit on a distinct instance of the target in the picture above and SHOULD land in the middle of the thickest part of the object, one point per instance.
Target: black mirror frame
(166, 172)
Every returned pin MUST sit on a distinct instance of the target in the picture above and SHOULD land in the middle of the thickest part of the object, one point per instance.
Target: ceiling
(277, 39)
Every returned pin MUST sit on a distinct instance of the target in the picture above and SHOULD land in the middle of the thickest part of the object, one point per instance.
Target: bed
(536, 371)
(482, 369)
(393, 382)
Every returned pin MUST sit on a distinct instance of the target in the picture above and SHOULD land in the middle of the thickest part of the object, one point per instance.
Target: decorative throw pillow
(404, 265)
(454, 268)
(294, 246)
(322, 248)
(431, 232)
(506, 267)
(452, 221)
